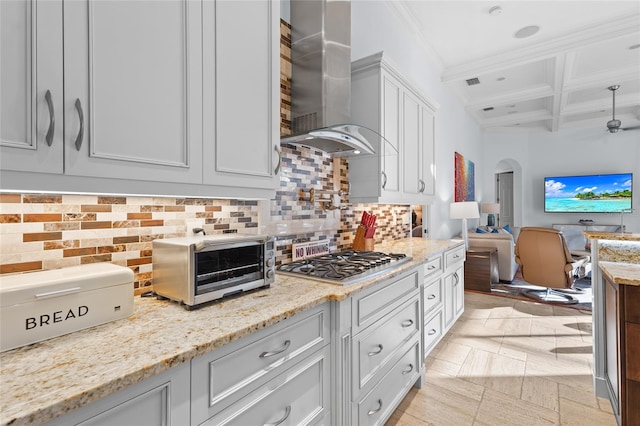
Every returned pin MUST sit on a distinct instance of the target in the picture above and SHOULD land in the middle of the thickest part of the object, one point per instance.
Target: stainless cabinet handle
(432, 332)
(277, 149)
(286, 345)
(431, 297)
(286, 415)
(457, 277)
(81, 131)
(372, 412)
(407, 323)
(380, 347)
(431, 267)
(384, 182)
(409, 370)
(422, 186)
(52, 118)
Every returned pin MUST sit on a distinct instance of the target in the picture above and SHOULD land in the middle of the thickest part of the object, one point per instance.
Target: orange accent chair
(545, 260)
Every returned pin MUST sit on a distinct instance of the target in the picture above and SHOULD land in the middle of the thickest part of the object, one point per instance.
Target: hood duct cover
(321, 79)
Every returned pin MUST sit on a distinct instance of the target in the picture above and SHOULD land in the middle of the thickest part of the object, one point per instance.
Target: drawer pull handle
(407, 323)
(380, 347)
(431, 297)
(457, 277)
(286, 345)
(372, 412)
(432, 332)
(409, 370)
(286, 415)
(52, 118)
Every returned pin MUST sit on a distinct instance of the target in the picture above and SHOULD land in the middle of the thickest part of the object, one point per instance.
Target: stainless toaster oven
(199, 269)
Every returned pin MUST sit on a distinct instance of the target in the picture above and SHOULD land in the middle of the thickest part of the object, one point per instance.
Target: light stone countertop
(618, 236)
(621, 273)
(45, 380)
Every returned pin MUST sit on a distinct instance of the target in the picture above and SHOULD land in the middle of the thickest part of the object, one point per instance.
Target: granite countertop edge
(621, 273)
(158, 336)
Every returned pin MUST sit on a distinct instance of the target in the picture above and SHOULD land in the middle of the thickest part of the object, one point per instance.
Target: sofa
(504, 242)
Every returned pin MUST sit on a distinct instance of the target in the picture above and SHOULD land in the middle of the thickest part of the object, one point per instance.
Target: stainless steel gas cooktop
(344, 267)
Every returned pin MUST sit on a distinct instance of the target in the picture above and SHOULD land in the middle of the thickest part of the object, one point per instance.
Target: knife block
(369, 244)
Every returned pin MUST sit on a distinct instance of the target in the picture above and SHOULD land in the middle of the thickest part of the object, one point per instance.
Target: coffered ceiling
(554, 79)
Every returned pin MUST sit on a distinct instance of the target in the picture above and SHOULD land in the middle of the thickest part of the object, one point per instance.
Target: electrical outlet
(194, 223)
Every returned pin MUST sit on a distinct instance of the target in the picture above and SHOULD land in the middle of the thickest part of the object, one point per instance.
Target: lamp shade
(464, 210)
(490, 208)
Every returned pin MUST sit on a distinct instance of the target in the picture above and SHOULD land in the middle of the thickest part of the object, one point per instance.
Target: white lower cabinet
(377, 348)
(159, 400)
(275, 367)
(383, 399)
(443, 295)
(299, 396)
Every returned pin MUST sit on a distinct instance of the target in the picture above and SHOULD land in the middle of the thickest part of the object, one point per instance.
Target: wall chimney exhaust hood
(321, 80)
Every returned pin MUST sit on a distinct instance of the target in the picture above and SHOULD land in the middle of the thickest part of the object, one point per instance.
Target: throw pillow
(506, 228)
(481, 231)
(495, 231)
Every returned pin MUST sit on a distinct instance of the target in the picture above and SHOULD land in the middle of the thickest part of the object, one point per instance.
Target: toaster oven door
(220, 268)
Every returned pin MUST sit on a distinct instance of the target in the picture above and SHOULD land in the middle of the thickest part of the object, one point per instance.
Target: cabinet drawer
(432, 332)
(221, 379)
(378, 345)
(432, 295)
(433, 266)
(378, 405)
(454, 257)
(372, 305)
(298, 396)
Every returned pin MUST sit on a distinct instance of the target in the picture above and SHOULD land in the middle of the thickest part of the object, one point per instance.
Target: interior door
(31, 86)
(504, 183)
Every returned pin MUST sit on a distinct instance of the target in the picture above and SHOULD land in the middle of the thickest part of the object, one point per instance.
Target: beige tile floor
(509, 362)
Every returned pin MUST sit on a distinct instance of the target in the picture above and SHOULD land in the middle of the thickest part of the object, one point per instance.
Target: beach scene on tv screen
(588, 194)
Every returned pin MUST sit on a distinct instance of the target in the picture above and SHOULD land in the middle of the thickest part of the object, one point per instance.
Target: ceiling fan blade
(630, 128)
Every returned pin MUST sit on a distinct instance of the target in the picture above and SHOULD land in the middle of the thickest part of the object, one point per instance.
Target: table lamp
(491, 209)
(464, 210)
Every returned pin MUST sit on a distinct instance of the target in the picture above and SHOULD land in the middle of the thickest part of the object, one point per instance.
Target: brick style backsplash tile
(86, 229)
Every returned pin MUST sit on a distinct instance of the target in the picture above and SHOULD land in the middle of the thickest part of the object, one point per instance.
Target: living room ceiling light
(527, 31)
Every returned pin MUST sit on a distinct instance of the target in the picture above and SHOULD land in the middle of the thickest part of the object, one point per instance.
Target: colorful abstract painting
(464, 184)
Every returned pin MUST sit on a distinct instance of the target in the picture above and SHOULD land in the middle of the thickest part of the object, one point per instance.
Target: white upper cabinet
(31, 119)
(167, 97)
(241, 93)
(133, 89)
(402, 170)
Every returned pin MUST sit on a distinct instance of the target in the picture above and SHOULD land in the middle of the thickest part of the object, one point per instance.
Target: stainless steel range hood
(321, 79)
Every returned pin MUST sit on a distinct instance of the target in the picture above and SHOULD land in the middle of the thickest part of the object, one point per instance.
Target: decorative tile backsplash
(47, 231)
(39, 232)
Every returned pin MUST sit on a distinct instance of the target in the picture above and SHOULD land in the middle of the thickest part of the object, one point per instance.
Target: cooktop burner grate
(344, 267)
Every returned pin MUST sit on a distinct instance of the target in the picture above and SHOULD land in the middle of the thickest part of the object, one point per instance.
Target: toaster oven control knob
(270, 262)
(270, 273)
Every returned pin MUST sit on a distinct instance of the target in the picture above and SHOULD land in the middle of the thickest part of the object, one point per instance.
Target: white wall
(568, 152)
(375, 27)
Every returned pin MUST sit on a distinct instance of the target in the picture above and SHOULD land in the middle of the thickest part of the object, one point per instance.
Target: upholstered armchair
(544, 257)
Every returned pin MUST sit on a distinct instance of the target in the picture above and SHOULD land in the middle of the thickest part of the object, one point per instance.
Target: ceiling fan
(613, 125)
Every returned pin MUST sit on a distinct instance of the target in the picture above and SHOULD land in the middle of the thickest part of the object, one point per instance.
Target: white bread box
(35, 306)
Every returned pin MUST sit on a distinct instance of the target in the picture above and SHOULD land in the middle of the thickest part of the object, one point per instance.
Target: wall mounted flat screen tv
(608, 193)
